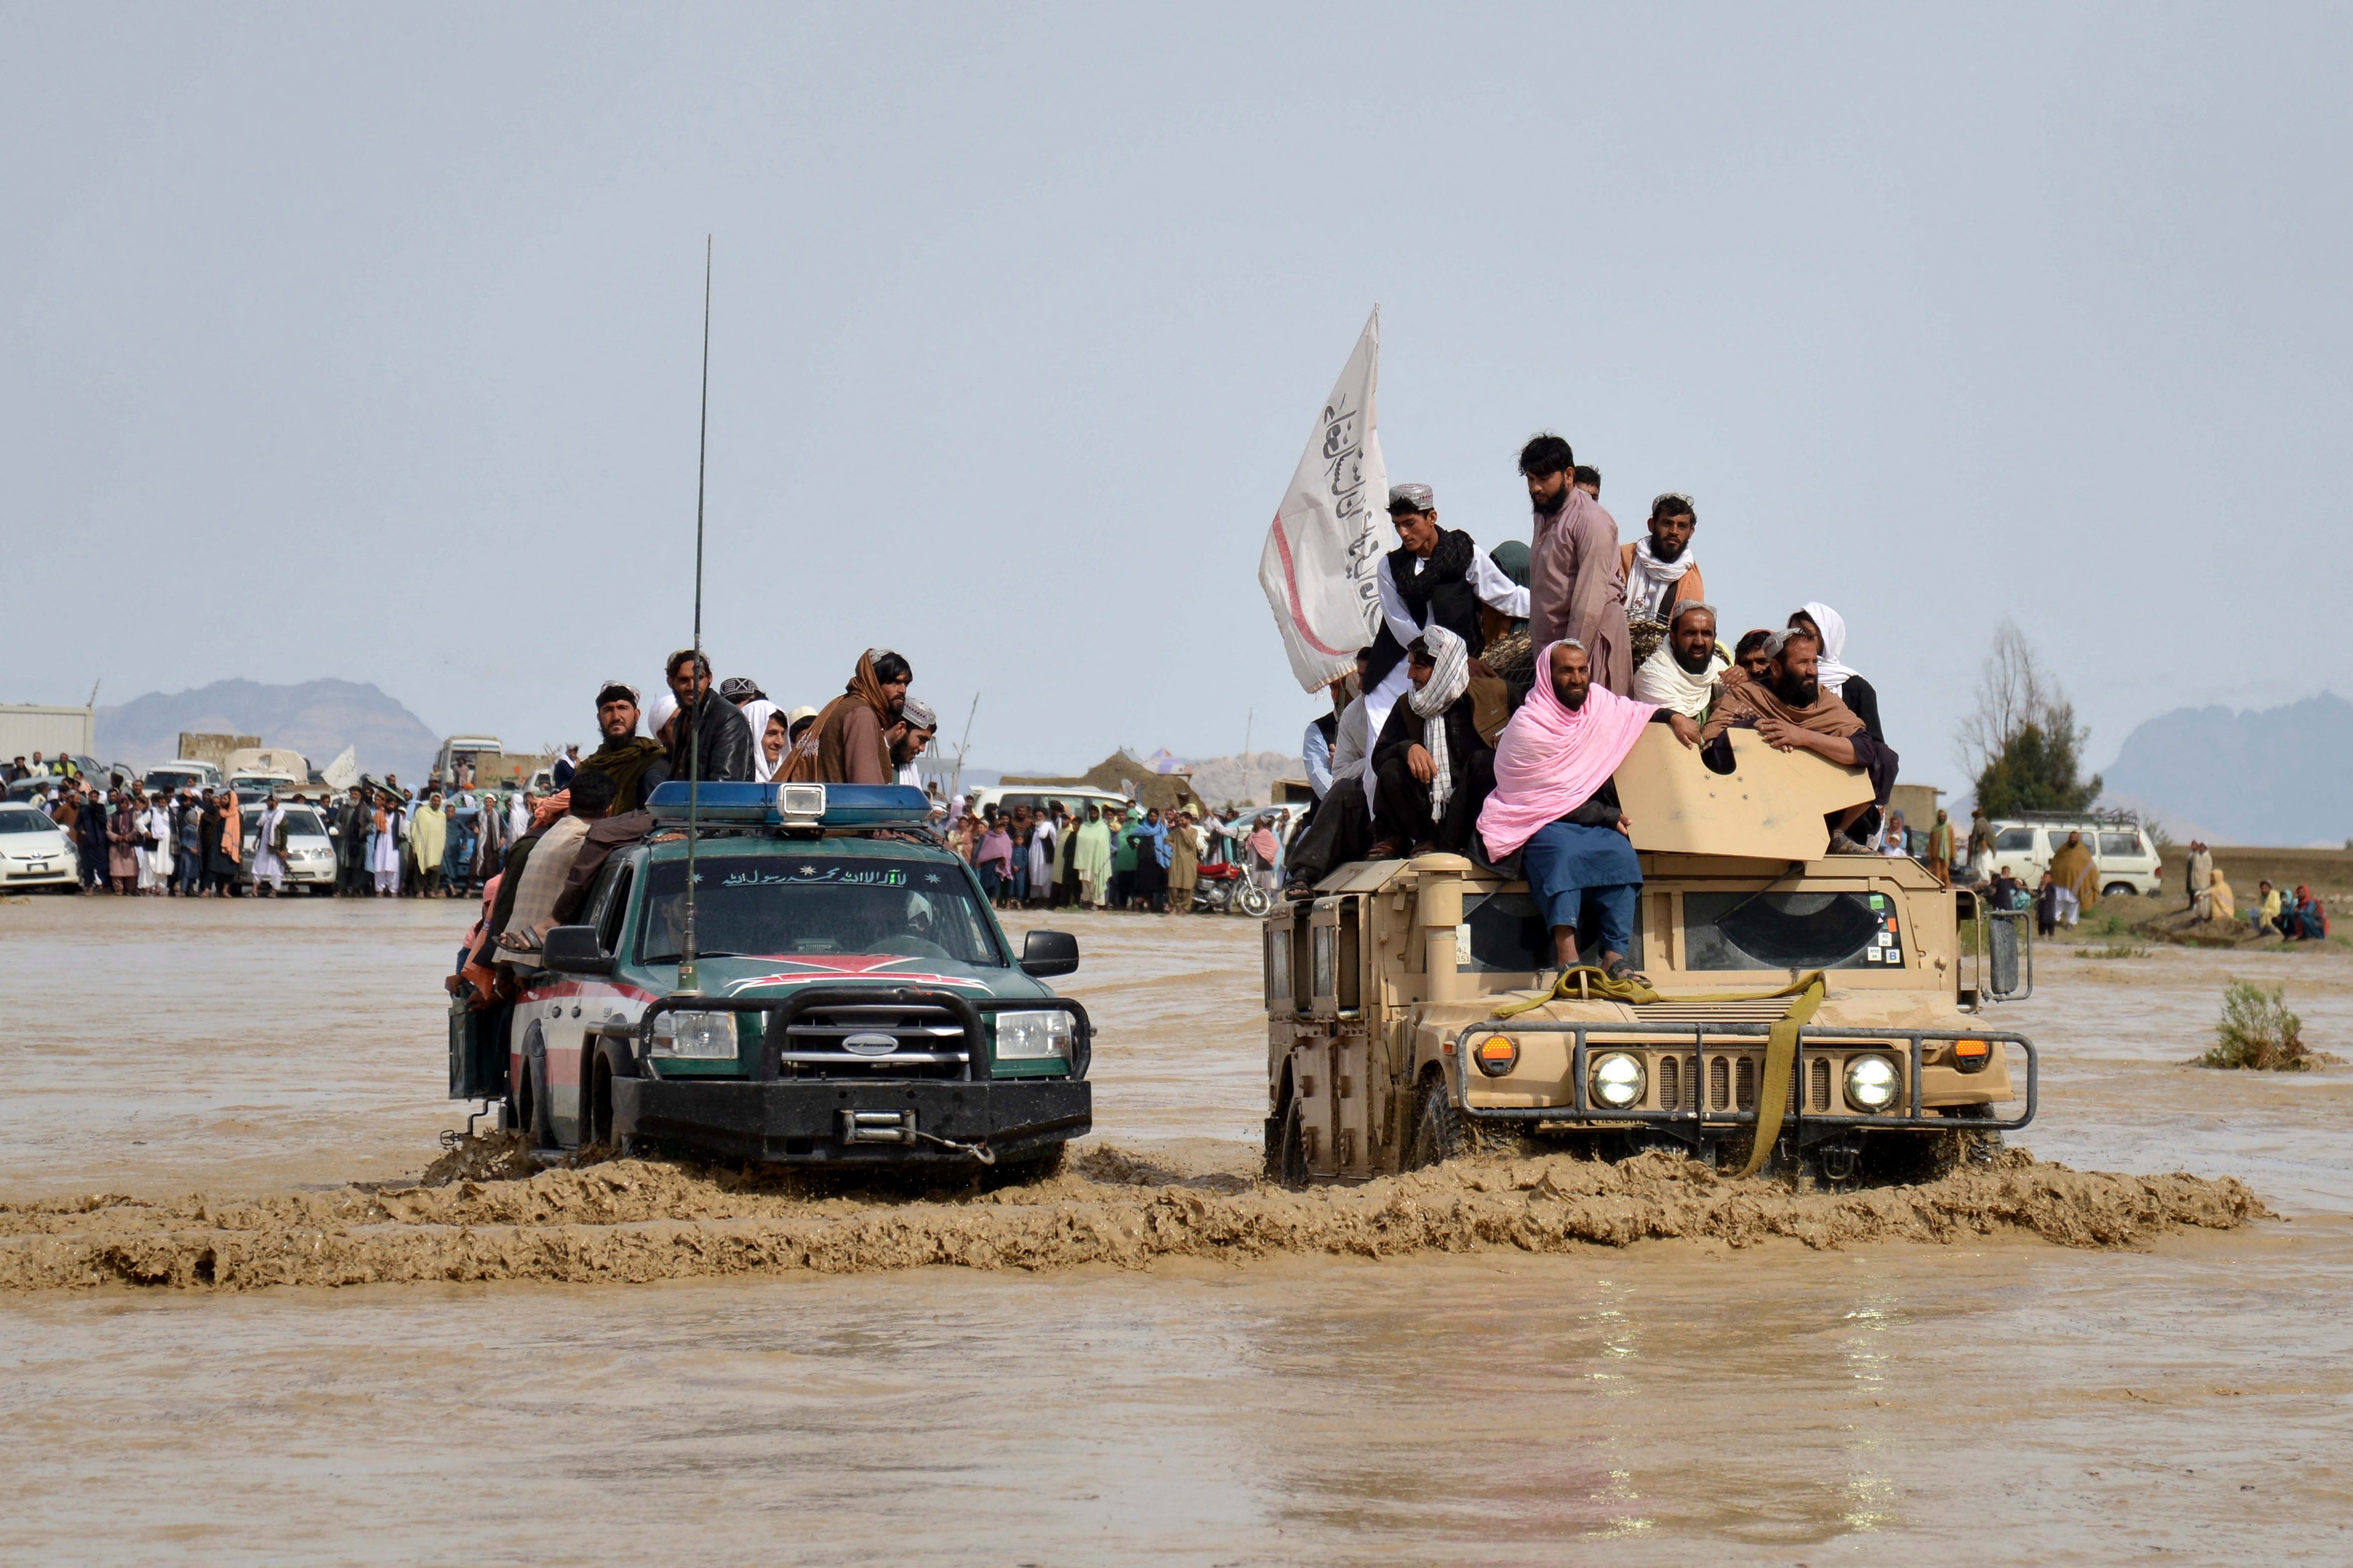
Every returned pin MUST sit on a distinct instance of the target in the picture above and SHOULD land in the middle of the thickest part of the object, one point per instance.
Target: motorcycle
(1229, 890)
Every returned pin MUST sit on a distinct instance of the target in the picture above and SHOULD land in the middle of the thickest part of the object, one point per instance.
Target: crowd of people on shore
(1109, 858)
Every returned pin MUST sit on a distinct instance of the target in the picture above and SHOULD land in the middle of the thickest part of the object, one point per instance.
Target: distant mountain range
(318, 718)
(2278, 776)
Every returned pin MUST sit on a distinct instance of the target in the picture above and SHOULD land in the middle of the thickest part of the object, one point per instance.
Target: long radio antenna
(697, 672)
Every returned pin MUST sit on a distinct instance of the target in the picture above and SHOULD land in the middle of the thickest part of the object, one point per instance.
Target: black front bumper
(806, 1120)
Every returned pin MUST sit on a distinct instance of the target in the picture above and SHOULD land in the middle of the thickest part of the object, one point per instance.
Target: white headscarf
(1664, 680)
(1650, 579)
(755, 713)
(1450, 676)
(658, 712)
(1833, 624)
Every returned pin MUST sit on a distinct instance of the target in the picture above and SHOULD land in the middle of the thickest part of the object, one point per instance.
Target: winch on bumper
(857, 1113)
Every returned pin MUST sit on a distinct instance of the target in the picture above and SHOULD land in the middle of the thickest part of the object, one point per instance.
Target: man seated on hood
(1788, 708)
(1554, 804)
(636, 763)
(1430, 770)
(1686, 671)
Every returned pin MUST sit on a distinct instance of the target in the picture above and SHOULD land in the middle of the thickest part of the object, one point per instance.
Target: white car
(35, 852)
(2123, 856)
(310, 852)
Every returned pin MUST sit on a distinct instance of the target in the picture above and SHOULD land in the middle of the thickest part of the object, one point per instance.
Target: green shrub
(2257, 1031)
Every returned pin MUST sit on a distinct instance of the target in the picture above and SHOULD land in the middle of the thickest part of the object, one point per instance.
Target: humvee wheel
(1288, 1164)
(1438, 1132)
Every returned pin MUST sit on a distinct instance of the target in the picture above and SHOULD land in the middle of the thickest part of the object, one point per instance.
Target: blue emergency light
(792, 805)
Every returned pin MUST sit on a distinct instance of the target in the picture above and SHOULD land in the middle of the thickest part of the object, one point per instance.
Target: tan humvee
(1384, 1052)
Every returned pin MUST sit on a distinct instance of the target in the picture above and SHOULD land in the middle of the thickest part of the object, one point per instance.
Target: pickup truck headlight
(705, 1037)
(1040, 1036)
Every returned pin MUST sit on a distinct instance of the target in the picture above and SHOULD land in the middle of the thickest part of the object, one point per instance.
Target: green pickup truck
(856, 1003)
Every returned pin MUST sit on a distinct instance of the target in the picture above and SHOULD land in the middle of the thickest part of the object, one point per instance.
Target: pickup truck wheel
(542, 1113)
(1438, 1131)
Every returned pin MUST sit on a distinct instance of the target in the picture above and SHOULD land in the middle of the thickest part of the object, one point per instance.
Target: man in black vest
(1438, 577)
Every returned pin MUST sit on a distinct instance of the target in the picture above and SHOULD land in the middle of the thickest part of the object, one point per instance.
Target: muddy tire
(1439, 1133)
(1029, 1168)
(1287, 1161)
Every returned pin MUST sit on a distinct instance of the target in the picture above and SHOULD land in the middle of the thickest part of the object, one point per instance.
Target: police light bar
(791, 805)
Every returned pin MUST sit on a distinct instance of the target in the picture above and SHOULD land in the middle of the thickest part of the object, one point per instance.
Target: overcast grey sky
(363, 342)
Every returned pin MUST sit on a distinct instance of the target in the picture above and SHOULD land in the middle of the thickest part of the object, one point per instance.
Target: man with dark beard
(635, 762)
(1660, 572)
(1554, 806)
(711, 741)
(1791, 711)
(1684, 673)
(1435, 577)
(1577, 587)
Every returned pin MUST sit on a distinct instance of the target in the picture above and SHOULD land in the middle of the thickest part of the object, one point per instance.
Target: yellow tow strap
(1587, 982)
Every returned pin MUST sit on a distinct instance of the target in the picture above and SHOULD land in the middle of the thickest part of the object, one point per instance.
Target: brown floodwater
(1988, 1396)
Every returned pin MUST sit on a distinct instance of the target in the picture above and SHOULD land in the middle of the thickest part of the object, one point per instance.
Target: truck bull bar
(1688, 1125)
(970, 1012)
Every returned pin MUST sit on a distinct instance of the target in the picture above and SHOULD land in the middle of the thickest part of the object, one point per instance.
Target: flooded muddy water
(1940, 1384)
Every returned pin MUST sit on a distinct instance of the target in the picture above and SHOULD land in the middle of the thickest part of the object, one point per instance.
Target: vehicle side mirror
(1046, 953)
(574, 950)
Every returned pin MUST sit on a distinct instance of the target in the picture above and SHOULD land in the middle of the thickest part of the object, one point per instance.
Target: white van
(2124, 857)
(1075, 798)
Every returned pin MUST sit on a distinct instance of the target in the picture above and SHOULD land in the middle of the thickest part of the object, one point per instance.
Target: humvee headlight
(705, 1037)
(1041, 1036)
(1618, 1080)
(1870, 1082)
(1971, 1056)
(1497, 1054)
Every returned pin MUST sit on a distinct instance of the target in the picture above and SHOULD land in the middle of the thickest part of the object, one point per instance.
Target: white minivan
(2124, 855)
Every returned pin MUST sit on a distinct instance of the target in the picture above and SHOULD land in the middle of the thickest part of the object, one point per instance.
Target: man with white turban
(1684, 673)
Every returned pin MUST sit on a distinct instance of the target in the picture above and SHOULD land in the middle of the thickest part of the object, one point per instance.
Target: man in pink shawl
(1556, 803)
(1576, 580)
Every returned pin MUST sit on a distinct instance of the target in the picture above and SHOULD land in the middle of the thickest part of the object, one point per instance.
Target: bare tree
(2012, 692)
(2021, 745)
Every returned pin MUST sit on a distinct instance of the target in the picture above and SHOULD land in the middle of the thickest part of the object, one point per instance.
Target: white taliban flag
(1322, 563)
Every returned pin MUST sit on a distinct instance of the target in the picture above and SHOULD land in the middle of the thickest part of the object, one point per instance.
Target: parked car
(2126, 859)
(34, 851)
(310, 850)
(174, 776)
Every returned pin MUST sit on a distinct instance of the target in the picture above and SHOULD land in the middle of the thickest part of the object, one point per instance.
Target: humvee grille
(1765, 1011)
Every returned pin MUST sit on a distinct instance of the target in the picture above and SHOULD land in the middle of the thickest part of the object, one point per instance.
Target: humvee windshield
(778, 906)
(1789, 931)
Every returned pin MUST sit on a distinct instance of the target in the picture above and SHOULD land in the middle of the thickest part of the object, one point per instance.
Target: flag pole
(688, 981)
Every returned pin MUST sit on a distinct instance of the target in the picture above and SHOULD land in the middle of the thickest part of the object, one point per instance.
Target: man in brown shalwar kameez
(1577, 585)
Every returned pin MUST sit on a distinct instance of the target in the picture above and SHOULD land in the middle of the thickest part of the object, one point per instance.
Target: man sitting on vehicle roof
(1430, 770)
(848, 743)
(1555, 806)
(533, 912)
(636, 763)
(1791, 712)
(1686, 671)
(1436, 577)
(711, 741)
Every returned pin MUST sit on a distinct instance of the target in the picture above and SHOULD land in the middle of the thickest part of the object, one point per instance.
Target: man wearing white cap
(916, 726)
